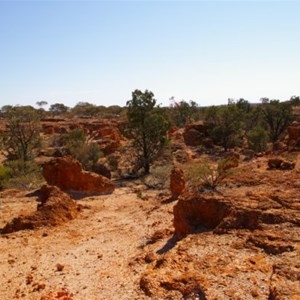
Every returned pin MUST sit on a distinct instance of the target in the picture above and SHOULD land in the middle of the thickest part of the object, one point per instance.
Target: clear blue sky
(100, 52)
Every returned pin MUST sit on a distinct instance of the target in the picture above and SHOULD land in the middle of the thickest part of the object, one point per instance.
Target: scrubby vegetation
(147, 127)
(76, 144)
(206, 175)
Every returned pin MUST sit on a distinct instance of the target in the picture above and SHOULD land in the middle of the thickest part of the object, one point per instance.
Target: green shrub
(258, 139)
(5, 174)
(77, 145)
(22, 174)
(202, 174)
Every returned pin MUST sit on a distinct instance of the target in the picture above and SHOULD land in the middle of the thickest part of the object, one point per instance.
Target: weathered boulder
(67, 174)
(177, 182)
(194, 134)
(55, 208)
(279, 163)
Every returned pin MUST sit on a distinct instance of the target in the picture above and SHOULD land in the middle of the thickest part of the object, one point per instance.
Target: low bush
(5, 174)
(204, 175)
(22, 174)
(258, 139)
(78, 146)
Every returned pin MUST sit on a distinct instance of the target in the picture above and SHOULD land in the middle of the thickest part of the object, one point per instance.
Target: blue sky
(99, 52)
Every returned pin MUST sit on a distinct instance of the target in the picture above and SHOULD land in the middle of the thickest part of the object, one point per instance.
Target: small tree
(226, 125)
(277, 115)
(58, 109)
(21, 136)
(183, 112)
(85, 109)
(258, 139)
(42, 103)
(147, 126)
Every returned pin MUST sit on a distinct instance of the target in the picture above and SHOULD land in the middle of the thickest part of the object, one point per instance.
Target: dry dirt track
(97, 250)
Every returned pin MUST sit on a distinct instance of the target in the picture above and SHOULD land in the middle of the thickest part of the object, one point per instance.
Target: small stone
(59, 267)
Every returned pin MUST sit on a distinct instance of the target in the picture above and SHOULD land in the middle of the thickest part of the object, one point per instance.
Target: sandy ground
(96, 250)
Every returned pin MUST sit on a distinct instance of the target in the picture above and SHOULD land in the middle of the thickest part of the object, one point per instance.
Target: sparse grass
(206, 175)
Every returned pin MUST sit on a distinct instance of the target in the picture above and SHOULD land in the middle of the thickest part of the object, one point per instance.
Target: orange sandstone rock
(67, 174)
(177, 182)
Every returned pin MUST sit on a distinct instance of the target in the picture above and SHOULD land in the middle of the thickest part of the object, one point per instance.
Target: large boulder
(55, 208)
(67, 174)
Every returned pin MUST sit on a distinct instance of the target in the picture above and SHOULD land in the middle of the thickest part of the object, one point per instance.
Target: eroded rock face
(67, 174)
(177, 182)
(199, 213)
(55, 208)
(241, 244)
(212, 212)
(108, 138)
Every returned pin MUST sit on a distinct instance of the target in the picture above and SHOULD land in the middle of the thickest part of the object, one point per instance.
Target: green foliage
(5, 174)
(86, 153)
(21, 174)
(58, 109)
(21, 136)
(226, 125)
(85, 109)
(258, 139)
(147, 126)
(183, 112)
(295, 100)
(203, 174)
(277, 115)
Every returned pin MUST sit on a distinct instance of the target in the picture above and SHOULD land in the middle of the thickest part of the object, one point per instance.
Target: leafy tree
(40, 104)
(277, 115)
(85, 109)
(147, 126)
(295, 100)
(258, 138)
(183, 112)
(58, 109)
(226, 125)
(21, 136)
(114, 110)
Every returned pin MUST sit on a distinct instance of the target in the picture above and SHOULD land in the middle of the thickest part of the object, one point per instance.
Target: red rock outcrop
(108, 138)
(293, 135)
(177, 182)
(55, 208)
(199, 213)
(203, 212)
(67, 174)
(197, 134)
